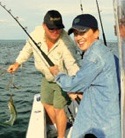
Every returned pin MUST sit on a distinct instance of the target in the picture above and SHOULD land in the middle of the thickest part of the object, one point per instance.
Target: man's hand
(54, 70)
(12, 68)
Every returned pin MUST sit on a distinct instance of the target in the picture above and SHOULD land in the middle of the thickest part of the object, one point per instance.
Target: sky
(30, 13)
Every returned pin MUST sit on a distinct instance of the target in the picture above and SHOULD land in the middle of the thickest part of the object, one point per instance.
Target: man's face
(52, 34)
(85, 39)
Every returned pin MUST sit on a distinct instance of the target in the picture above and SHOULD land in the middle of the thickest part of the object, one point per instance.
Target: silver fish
(13, 113)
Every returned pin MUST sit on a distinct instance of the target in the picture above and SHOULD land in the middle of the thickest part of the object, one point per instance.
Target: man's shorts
(52, 94)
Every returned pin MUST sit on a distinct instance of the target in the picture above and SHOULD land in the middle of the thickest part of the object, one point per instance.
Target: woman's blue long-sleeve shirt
(99, 108)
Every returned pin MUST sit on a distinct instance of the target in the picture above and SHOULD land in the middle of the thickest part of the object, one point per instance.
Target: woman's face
(85, 39)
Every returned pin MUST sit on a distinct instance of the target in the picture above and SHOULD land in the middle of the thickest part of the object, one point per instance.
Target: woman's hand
(73, 96)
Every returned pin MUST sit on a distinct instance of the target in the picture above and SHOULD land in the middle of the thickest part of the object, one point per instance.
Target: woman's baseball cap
(83, 22)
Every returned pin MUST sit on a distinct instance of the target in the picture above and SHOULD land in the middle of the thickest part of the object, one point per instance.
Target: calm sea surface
(27, 79)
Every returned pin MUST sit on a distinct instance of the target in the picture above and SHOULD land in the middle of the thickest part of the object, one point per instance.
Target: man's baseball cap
(53, 20)
(83, 22)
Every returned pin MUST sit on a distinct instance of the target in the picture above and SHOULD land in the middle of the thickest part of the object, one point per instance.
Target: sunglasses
(53, 29)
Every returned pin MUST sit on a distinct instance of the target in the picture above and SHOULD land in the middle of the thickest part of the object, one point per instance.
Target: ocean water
(27, 81)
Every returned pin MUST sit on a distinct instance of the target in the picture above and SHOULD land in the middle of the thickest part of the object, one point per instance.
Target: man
(56, 44)
(98, 115)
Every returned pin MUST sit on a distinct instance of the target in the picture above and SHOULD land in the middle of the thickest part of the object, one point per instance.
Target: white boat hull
(37, 122)
(37, 125)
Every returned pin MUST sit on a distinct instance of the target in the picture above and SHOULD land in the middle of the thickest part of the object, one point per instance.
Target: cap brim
(80, 29)
(70, 31)
(50, 26)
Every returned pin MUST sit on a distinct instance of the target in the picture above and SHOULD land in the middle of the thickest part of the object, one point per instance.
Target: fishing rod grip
(78, 100)
(45, 56)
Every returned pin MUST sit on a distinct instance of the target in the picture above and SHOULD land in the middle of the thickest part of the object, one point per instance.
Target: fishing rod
(81, 7)
(101, 23)
(24, 29)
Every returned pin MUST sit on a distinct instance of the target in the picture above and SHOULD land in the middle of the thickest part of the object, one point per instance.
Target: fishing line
(104, 38)
(2, 71)
(11, 112)
(11, 83)
(11, 107)
(24, 29)
(81, 7)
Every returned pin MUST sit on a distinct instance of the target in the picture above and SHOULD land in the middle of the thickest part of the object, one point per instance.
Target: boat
(37, 122)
